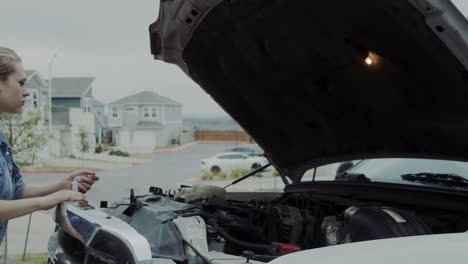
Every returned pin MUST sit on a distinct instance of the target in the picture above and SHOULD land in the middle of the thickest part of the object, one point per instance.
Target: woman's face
(12, 91)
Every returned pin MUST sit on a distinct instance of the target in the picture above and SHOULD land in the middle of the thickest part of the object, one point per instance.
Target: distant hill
(195, 123)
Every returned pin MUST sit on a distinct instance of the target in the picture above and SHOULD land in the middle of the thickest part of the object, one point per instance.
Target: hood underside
(317, 82)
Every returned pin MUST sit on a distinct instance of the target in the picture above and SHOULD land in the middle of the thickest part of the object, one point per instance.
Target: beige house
(144, 121)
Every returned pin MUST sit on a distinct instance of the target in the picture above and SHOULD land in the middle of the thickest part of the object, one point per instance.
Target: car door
(228, 162)
(239, 161)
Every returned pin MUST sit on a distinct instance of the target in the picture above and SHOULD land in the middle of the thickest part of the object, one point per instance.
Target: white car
(229, 161)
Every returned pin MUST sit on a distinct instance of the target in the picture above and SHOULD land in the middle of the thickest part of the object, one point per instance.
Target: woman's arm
(38, 190)
(84, 184)
(15, 208)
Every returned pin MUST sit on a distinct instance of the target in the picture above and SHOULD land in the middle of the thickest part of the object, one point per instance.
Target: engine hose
(270, 248)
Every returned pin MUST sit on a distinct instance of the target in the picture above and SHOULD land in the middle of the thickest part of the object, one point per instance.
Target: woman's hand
(56, 198)
(85, 181)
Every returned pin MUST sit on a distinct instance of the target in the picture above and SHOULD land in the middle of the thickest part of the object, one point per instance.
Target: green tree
(23, 133)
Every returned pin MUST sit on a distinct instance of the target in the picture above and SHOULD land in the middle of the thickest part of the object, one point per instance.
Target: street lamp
(54, 56)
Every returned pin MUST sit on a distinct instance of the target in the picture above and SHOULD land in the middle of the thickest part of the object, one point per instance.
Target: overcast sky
(107, 39)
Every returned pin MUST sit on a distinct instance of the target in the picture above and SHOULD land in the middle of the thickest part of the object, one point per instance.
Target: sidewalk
(184, 147)
(188, 146)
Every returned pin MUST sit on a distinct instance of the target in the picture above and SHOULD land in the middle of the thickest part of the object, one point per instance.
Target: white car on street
(229, 161)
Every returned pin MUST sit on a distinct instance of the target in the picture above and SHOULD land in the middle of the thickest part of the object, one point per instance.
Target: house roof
(33, 73)
(70, 87)
(146, 97)
(149, 124)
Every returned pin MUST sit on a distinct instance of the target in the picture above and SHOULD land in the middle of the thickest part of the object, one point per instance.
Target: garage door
(144, 138)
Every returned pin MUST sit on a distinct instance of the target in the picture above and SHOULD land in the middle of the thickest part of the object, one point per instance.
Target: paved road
(164, 171)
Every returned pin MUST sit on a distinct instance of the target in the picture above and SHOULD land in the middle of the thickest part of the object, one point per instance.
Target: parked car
(229, 161)
(314, 83)
(251, 151)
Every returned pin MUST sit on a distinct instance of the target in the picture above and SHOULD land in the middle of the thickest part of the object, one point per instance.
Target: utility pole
(51, 61)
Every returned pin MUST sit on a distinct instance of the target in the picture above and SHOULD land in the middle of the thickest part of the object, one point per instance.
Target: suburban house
(37, 87)
(144, 121)
(73, 119)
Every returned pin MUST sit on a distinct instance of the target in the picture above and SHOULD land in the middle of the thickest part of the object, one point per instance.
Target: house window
(87, 105)
(146, 112)
(150, 112)
(35, 98)
(115, 112)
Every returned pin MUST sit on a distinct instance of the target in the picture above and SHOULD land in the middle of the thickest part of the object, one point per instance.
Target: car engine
(204, 224)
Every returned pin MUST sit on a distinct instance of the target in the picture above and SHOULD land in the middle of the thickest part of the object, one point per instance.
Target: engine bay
(204, 224)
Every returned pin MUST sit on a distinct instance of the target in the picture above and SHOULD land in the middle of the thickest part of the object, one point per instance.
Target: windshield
(396, 170)
(391, 170)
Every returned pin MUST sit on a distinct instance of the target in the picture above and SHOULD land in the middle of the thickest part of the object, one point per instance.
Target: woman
(16, 198)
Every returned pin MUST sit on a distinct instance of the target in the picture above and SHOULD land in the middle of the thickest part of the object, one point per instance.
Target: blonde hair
(7, 57)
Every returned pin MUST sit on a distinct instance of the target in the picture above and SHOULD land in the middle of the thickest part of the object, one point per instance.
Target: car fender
(428, 249)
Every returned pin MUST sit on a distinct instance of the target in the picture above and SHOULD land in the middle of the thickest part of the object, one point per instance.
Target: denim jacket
(11, 181)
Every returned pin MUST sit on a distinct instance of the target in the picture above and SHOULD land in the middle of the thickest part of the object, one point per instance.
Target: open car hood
(317, 82)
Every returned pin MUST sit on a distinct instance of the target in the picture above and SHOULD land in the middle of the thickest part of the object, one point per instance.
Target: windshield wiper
(352, 177)
(248, 175)
(441, 178)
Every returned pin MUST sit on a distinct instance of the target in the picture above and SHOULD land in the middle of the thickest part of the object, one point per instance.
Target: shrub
(276, 173)
(118, 153)
(207, 176)
(84, 140)
(222, 175)
(98, 149)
